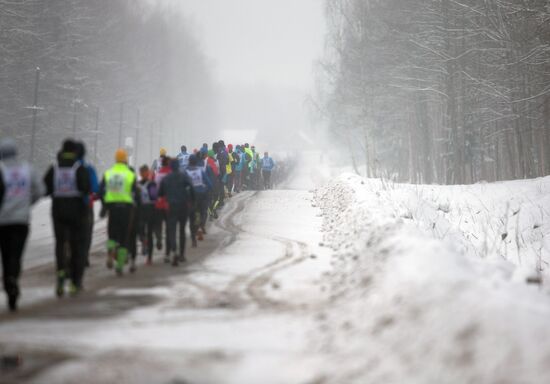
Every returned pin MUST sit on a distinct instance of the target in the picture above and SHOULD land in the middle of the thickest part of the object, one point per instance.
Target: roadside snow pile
(412, 307)
(502, 221)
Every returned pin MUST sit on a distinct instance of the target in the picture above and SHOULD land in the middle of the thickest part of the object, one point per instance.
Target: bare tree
(459, 89)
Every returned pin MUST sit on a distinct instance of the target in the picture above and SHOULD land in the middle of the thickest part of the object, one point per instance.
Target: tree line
(124, 66)
(446, 91)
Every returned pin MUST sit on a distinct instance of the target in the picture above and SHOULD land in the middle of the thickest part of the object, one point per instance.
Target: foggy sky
(261, 54)
(260, 42)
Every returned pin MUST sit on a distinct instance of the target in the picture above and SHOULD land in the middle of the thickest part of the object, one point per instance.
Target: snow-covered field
(428, 288)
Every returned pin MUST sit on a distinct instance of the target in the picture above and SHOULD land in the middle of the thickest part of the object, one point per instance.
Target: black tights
(12, 243)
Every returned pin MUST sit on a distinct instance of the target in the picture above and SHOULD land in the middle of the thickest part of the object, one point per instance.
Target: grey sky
(260, 42)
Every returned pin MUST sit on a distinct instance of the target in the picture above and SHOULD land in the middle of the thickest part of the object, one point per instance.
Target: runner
(267, 165)
(223, 161)
(183, 158)
(202, 162)
(230, 170)
(20, 187)
(134, 226)
(247, 175)
(257, 169)
(161, 209)
(178, 191)
(215, 174)
(117, 191)
(238, 158)
(252, 173)
(157, 163)
(68, 182)
(202, 186)
(147, 219)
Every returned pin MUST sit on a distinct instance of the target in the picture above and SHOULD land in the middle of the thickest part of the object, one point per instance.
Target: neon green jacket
(119, 183)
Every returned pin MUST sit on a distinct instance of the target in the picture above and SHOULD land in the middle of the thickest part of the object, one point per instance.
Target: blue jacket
(242, 163)
(207, 183)
(94, 181)
(268, 164)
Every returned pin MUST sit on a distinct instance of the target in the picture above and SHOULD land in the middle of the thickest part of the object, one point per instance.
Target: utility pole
(152, 133)
(136, 144)
(35, 110)
(120, 128)
(96, 135)
(74, 119)
(174, 136)
(161, 133)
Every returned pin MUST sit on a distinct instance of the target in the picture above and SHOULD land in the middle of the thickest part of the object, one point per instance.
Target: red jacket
(161, 202)
(212, 163)
(161, 174)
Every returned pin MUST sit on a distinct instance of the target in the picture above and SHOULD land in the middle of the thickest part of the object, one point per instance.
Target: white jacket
(16, 209)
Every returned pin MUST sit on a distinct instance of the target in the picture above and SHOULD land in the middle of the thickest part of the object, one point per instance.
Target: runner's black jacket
(68, 207)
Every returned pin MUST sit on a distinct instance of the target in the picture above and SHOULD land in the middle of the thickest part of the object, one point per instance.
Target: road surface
(243, 309)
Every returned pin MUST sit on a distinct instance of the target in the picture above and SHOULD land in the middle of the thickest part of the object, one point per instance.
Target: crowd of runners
(146, 208)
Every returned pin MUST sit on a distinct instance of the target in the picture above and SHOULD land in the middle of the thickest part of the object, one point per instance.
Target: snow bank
(422, 291)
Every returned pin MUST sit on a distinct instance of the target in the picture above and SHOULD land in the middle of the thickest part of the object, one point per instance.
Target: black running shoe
(12, 303)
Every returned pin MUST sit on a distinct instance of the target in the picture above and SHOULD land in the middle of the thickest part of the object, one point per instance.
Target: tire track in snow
(256, 287)
(249, 286)
(211, 297)
(253, 282)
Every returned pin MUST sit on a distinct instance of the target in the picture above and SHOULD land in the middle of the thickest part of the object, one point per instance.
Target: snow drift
(425, 286)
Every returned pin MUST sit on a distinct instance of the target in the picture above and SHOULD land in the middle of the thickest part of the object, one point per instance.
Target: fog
(417, 91)
(261, 53)
(451, 92)
(154, 74)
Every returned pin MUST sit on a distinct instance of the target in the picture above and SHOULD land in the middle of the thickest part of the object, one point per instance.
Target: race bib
(196, 177)
(145, 199)
(16, 182)
(116, 183)
(65, 181)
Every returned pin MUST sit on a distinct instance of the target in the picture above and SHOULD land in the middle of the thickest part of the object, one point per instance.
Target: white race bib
(17, 181)
(196, 177)
(65, 181)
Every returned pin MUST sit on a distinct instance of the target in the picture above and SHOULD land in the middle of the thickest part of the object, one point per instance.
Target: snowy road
(239, 312)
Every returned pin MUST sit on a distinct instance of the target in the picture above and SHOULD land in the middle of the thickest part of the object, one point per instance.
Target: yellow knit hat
(121, 156)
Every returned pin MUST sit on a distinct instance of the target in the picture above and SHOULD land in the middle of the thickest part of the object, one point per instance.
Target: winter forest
(109, 69)
(439, 91)
(423, 91)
